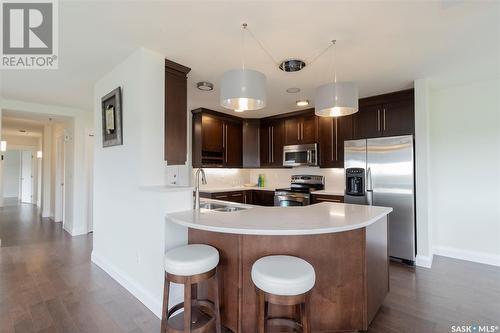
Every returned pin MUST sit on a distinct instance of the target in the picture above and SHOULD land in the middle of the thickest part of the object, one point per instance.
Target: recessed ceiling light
(302, 102)
(293, 90)
(205, 86)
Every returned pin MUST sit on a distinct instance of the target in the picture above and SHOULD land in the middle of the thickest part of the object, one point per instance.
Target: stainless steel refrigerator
(380, 172)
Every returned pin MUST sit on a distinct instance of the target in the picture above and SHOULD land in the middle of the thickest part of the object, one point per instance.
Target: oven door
(299, 155)
(285, 199)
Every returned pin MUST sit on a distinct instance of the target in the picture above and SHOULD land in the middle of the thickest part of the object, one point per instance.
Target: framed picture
(112, 132)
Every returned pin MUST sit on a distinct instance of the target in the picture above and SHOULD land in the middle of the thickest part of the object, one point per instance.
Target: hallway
(48, 284)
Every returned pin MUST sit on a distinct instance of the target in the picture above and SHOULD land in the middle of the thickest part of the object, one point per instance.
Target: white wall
(464, 171)
(129, 223)
(12, 174)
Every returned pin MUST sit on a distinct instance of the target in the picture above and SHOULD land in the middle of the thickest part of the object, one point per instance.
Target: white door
(26, 176)
(89, 170)
(59, 183)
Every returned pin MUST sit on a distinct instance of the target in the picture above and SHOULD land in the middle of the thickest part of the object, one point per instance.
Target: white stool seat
(191, 259)
(283, 275)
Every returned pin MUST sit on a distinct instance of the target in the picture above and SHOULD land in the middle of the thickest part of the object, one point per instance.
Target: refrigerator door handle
(369, 187)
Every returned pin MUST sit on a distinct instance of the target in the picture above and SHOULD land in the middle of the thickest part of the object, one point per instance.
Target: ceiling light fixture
(302, 102)
(336, 99)
(205, 86)
(293, 90)
(292, 65)
(243, 89)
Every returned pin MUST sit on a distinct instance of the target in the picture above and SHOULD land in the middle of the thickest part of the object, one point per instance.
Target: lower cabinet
(317, 198)
(251, 197)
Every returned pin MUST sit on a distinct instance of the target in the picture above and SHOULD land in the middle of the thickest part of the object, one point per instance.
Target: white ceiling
(383, 46)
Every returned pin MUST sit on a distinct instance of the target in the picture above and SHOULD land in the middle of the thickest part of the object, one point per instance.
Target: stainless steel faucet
(197, 186)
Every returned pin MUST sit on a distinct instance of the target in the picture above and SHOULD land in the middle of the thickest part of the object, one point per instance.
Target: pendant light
(336, 99)
(243, 89)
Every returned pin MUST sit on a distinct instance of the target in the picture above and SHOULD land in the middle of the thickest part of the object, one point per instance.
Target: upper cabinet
(301, 129)
(385, 115)
(217, 139)
(332, 134)
(271, 143)
(175, 140)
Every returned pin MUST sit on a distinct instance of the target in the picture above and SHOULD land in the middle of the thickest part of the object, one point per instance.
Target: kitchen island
(345, 243)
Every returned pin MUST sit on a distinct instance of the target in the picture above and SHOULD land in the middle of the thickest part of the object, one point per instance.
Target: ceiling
(383, 46)
(16, 123)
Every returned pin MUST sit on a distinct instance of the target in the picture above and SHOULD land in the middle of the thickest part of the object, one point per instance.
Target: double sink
(219, 207)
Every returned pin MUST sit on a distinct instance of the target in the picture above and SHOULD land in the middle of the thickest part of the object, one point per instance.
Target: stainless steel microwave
(300, 155)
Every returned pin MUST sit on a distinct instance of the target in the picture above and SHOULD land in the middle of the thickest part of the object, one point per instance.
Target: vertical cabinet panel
(368, 122)
(212, 133)
(175, 140)
(233, 141)
(271, 143)
(332, 134)
(300, 129)
(385, 115)
(398, 117)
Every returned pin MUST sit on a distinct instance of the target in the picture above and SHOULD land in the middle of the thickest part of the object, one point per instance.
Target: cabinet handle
(269, 143)
(272, 144)
(329, 200)
(225, 142)
(384, 118)
(220, 196)
(331, 128)
(236, 194)
(301, 131)
(378, 120)
(298, 131)
(336, 140)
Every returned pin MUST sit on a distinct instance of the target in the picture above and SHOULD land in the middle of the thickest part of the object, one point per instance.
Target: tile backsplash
(226, 178)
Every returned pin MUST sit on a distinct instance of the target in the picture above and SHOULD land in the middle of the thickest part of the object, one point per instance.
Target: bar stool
(283, 280)
(189, 265)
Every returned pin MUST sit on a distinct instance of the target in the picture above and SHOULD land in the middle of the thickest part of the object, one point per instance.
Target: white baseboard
(152, 303)
(424, 261)
(479, 257)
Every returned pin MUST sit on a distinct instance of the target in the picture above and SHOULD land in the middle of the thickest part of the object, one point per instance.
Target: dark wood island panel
(352, 274)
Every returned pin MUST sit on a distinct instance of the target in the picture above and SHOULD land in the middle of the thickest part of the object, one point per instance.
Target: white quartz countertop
(321, 218)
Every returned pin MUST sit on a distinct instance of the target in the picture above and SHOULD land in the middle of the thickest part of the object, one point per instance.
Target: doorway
(59, 181)
(26, 186)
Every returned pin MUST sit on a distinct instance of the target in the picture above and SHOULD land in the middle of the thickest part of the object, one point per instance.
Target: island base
(352, 275)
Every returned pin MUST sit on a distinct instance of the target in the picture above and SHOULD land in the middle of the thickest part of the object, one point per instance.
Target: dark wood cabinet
(175, 140)
(217, 139)
(262, 198)
(385, 115)
(253, 197)
(317, 198)
(233, 144)
(332, 134)
(301, 129)
(271, 143)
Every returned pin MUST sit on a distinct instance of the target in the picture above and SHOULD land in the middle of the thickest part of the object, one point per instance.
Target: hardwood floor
(48, 284)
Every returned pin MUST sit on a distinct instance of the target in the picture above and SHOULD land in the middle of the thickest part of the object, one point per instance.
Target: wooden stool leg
(261, 312)
(166, 290)
(306, 316)
(187, 306)
(218, 325)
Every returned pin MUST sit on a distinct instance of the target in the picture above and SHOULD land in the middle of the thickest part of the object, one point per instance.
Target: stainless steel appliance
(300, 155)
(380, 172)
(299, 193)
